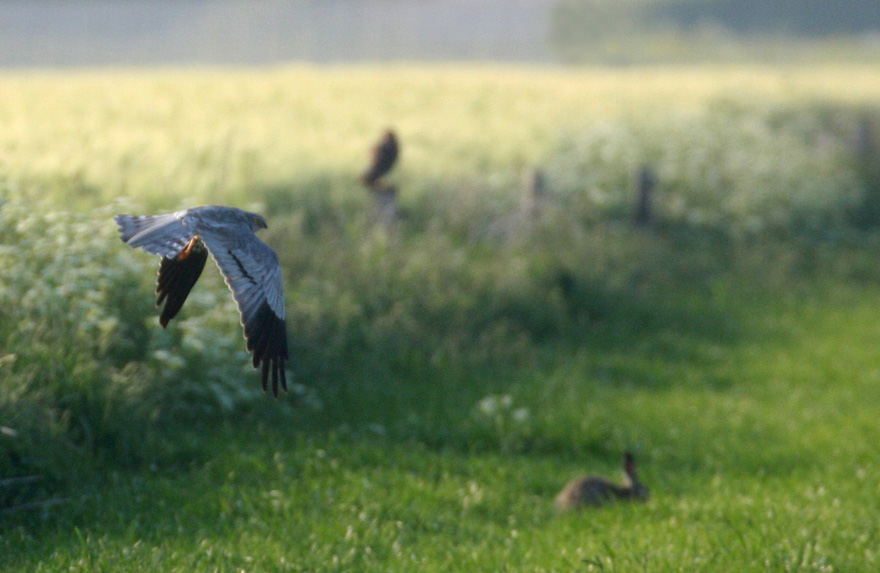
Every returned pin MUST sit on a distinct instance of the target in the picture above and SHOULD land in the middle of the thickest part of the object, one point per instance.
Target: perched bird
(596, 491)
(385, 154)
(249, 267)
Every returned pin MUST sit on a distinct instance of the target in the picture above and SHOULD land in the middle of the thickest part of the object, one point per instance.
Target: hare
(595, 491)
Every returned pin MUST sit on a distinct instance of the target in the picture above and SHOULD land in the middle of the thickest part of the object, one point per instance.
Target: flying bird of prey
(249, 267)
(385, 154)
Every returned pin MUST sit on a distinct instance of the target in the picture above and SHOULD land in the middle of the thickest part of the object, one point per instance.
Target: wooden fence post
(646, 181)
(867, 160)
(386, 205)
(533, 192)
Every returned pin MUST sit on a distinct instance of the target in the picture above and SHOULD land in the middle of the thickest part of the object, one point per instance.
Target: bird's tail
(162, 235)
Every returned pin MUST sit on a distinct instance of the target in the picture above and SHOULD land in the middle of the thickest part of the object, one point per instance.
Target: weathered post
(386, 205)
(533, 192)
(646, 181)
(867, 160)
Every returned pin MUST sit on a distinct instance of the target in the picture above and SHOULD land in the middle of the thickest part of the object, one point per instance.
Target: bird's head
(257, 221)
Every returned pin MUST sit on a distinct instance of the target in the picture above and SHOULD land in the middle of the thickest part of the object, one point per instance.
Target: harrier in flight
(250, 268)
(385, 155)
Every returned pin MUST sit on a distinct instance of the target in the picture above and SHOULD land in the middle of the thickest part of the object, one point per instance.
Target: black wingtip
(266, 336)
(278, 376)
(272, 370)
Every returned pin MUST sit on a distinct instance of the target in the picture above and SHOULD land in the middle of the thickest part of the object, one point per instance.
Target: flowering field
(452, 373)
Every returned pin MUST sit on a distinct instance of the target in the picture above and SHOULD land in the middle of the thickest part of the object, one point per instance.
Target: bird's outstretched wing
(183, 255)
(163, 235)
(177, 275)
(253, 274)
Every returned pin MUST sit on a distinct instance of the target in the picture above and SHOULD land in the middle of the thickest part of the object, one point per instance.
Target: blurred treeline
(101, 32)
(699, 30)
(797, 17)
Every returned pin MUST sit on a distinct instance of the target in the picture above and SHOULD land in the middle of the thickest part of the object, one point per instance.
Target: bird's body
(384, 156)
(250, 268)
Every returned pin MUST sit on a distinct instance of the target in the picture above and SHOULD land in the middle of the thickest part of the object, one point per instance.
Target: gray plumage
(250, 268)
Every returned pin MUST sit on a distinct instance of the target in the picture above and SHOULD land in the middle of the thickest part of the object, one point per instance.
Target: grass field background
(452, 375)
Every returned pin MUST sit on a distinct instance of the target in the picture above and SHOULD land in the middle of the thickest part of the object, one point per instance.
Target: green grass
(758, 450)
(451, 378)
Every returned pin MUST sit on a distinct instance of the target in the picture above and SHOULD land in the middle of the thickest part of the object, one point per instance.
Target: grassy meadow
(453, 373)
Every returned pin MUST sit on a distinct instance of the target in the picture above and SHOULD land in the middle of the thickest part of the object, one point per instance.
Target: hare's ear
(629, 463)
